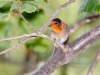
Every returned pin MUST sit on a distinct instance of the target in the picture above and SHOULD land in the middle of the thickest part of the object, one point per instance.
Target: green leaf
(97, 8)
(45, 0)
(2, 15)
(28, 8)
(14, 6)
(83, 6)
(88, 6)
(2, 3)
(37, 3)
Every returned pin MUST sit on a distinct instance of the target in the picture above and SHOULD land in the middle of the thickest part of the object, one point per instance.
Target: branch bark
(83, 21)
(73, 49)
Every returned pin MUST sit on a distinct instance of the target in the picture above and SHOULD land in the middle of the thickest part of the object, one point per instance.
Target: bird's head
(57, 25)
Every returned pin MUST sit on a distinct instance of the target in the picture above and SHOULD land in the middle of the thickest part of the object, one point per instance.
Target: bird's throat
(56, 29)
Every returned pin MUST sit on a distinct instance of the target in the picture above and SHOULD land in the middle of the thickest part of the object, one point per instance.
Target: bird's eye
(55, 23)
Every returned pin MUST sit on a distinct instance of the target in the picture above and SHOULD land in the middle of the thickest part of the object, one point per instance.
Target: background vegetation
(33, 54)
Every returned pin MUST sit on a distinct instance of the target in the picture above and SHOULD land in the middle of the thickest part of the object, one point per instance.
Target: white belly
(59, 38)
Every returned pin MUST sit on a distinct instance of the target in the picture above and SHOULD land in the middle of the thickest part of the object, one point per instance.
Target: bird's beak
(50, 25)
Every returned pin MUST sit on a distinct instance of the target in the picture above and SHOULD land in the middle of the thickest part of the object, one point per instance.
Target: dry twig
(20, 14)
(19, 43)
(83, 21)
(94, 63)
(19, 37)
(28, 37)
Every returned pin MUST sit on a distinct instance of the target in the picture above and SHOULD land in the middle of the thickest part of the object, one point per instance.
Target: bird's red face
(57, 25)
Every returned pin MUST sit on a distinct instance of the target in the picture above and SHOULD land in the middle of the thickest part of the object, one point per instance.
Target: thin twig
(94, 63)
(19, 44)
(57, 11)
(20, 14)
(18, 37)
(33, 35)
(83, 21)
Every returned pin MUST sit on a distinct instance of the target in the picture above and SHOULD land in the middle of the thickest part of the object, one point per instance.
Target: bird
(59, 31)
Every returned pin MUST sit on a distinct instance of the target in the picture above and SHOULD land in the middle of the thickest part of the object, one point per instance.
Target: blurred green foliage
(90, 6)
(37, 12)
(2, 3)
(2, 16)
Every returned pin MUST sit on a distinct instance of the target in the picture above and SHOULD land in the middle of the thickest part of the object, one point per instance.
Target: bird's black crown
(57, 21)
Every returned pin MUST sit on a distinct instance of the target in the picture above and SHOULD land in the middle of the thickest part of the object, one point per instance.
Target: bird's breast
(61, 37)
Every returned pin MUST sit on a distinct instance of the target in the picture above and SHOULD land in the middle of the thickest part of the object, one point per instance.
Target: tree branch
(29, 37)
(73, 49)
(94, 63)
(18, 37)
(83, 21)
(19, 43)
(20, 14)
(57, 11)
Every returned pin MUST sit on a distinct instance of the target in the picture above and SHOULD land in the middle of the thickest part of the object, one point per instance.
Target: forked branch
(73, 49)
